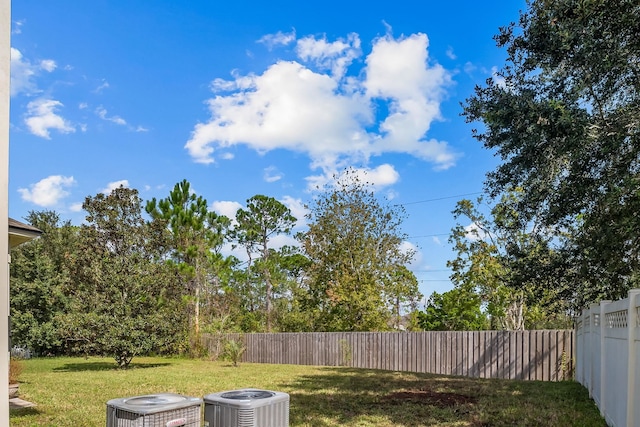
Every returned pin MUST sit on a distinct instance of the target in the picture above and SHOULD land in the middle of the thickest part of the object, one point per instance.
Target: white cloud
(228, 249)
(335, 56)
(407, 247)
(48, 65)
(297, 208)
(436, 240)
(222, 85)
(318, 182)
(48, 191)
(113, 185)
(290, 107)
(23, 72)
(17, 28)
(104, 85)
(272, 174)
(75, 207)
(102, 113)
(226, 208)
(474, 232)
(278, 39)
(450, 53)
(329, 115)
(379, 177)
(469, 68)
(398, 70)
(276, 242)
(390, 194)
(500, 81)
(42, 117)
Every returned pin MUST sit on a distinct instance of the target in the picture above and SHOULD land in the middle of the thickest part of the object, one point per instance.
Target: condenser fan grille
(247, 394)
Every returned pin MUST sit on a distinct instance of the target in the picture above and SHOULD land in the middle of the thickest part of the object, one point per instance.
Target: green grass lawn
(74, 391)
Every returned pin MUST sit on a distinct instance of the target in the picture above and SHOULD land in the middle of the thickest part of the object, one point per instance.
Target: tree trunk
(196, 311)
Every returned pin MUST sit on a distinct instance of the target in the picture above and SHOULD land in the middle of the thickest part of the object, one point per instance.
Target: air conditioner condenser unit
(247, 407)
(154, 410)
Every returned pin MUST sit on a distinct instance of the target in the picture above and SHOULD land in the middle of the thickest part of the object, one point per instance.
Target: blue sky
(246, 98)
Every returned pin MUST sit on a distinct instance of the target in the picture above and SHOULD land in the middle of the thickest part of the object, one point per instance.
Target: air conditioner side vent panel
(247, 408)
(158, 410)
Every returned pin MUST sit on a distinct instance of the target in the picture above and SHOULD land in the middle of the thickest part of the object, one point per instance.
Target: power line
(428, 235)
(438, 198)
(435, 200)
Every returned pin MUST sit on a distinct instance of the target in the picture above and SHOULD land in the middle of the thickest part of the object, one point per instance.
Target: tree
(402, 290)
(263, 219)
(39, 275)
(459, 309)
(289, 312)
(354, 244)
(506, 260)
(197, 237)
(564, 117)
(123, 300)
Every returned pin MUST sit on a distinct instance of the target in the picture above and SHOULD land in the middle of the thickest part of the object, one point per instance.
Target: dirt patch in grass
(440, 399)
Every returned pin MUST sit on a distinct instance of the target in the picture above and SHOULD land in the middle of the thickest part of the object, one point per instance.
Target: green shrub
(233, 350)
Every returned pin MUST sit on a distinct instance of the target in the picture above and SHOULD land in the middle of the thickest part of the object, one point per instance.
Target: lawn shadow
(24, 412)
(338, 396)
(104, 366)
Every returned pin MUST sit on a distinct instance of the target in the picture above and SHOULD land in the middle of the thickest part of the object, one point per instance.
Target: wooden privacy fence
(525, 355)
(608, 358)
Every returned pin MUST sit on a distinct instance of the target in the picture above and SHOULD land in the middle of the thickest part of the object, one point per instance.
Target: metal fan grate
(247, 394)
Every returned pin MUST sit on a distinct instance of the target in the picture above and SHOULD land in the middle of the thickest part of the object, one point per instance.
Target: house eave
(20, 233)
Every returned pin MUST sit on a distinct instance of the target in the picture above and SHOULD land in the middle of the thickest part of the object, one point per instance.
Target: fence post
(632, 327)
(599, 321)
(578, 346)
(593, 369)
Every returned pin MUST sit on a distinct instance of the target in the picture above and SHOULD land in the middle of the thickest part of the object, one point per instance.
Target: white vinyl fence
(608, 358)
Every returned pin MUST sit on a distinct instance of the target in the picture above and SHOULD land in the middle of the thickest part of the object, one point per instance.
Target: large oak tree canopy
(563, 114)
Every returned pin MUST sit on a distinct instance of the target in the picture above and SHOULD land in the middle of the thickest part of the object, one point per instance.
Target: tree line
(149, 277)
